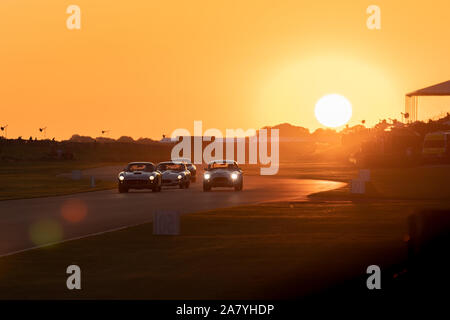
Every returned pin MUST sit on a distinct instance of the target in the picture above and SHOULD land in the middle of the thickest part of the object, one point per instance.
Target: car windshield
(185, 160)
(132, 167)
(171, 166)
(219, 165)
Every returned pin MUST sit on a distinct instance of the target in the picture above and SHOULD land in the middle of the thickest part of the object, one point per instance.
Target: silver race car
(223, 173)
(139, 175)
(190, 166)
(174, 173)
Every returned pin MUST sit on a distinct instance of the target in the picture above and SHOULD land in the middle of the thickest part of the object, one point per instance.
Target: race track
(29, 223)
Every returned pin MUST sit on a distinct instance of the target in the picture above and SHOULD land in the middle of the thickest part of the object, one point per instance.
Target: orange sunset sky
(143, 68)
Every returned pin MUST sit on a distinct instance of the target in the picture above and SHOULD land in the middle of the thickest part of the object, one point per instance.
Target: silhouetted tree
(125, 139)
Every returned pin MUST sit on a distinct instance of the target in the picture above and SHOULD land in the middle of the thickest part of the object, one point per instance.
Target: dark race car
(174, 173)
(139, 175)
(223, 173)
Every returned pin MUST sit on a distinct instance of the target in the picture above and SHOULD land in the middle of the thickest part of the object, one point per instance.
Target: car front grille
(137, 182)
(220, 180)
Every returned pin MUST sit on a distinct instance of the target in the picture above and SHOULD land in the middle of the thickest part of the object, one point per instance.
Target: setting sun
(333, 110)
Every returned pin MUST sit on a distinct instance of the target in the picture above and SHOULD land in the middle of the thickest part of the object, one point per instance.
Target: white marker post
(358, 185)
(166, 222)
(364, 175)
(92, 182)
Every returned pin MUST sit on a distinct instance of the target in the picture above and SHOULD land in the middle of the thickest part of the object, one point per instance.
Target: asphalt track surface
(83, 214)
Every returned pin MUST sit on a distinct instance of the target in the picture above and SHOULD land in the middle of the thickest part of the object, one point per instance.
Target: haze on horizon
(145, 68)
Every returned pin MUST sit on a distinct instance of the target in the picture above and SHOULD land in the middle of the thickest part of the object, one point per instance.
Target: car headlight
(152, 178)
(121, 178)
(179, 177)
(207, 176)
(234, 176)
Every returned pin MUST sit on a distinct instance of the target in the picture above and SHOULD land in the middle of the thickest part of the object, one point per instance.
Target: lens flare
(45, 231)
(74, 210)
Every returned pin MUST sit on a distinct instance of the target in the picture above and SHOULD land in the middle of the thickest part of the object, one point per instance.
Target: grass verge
(426, 183)
(40, 179)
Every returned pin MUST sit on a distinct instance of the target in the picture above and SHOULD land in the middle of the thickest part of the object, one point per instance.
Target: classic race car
(139, 175)
(174, 173)
(223, 173)
(190, 166)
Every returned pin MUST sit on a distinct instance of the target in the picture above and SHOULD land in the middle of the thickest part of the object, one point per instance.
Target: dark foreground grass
(40, 179)
(273, 250)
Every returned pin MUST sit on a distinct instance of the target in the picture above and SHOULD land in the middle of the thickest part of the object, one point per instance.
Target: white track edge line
(72, 239)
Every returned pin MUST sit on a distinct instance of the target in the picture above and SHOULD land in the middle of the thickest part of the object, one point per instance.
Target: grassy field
(266, 251)
(322, 170)
(40, 179)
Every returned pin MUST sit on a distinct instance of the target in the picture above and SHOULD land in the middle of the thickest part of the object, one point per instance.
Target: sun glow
(333, 110)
